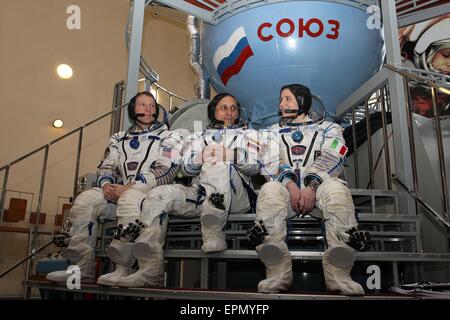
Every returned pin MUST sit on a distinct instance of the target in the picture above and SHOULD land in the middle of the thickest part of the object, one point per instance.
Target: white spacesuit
(139, 158)
(311, 156)
(220, 185)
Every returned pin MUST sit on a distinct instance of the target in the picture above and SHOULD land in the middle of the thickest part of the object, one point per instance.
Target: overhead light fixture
(58, 123)
(64, 71)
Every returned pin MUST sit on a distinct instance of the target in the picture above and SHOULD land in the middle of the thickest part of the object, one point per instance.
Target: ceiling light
(64, 71)
(58, 123)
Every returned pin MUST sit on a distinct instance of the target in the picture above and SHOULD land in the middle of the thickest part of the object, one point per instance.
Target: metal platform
(395, 249)
(199, 294)
(312, 256)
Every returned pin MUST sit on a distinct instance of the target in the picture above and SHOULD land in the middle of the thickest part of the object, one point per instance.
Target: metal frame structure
(218, 11)
(413, 11)
(198, 294)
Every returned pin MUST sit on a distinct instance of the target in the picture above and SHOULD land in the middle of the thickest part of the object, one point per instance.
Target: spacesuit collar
(307, 121)
(136, 130)
(240, 125)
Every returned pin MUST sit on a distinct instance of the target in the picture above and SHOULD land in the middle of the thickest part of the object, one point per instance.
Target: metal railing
(46, 148)
(171, 95)
(376, 102)
(379, 101)
(407, 76)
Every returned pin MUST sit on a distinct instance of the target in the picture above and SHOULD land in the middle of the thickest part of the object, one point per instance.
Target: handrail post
(369, 146)
(117, 101)
(77, 166)
(39, 206)
(27, 293)
(385, 138)
(2, 198)
(136, 23)
(411, 133)
(445, 201)
(402, 159)
(355, 149)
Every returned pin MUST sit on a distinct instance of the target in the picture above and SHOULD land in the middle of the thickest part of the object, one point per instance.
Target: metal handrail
(416, 77)
(419, 199)
(433, 86)
(46, 147)
(20, 262)
(61, 138)
(170, 93)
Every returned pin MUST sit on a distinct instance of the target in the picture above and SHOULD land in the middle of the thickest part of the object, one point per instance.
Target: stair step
(250, 217)
(311, 255)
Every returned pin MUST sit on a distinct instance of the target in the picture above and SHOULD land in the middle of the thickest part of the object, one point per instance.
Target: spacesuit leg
(120, 250)
(216, 181)
(273, 209)
(80, 251)
(336, 203)
(148, 248)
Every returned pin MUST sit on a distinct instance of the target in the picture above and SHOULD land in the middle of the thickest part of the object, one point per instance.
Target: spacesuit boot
(120, 249)
(83, 235)
(149, 274)
(213, 220)
(111, 279)
(148, 251)
(148, 248)
(276, 258)
(80, 253)
(336, 203)
(121, 254)
(337, 262)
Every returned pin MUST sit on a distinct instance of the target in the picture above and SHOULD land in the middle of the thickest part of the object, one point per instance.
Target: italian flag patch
(339, 147)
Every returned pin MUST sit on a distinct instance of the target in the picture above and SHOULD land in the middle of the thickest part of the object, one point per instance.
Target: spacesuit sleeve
(107, 170)
(273, 166)
(246, 155)
(193, 146)
(330, 161)
(164, 169)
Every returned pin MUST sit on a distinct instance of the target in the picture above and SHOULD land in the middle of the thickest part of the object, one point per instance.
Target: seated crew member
(311, 152)
(219, 162)
(133, 163)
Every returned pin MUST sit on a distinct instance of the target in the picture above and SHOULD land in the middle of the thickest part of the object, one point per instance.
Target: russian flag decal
(230, 57)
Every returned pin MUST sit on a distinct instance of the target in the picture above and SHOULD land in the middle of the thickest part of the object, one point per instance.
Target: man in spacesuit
(311, 152)
(426, 45)
(221, 160)
(432, 49)
(135, 161)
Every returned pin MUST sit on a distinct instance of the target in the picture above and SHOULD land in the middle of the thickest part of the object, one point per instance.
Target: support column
(134, 53)
(402, 156)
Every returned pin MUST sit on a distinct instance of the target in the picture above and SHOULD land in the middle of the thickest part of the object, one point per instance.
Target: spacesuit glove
(61, 239)
(358, 240)
(257, 233)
